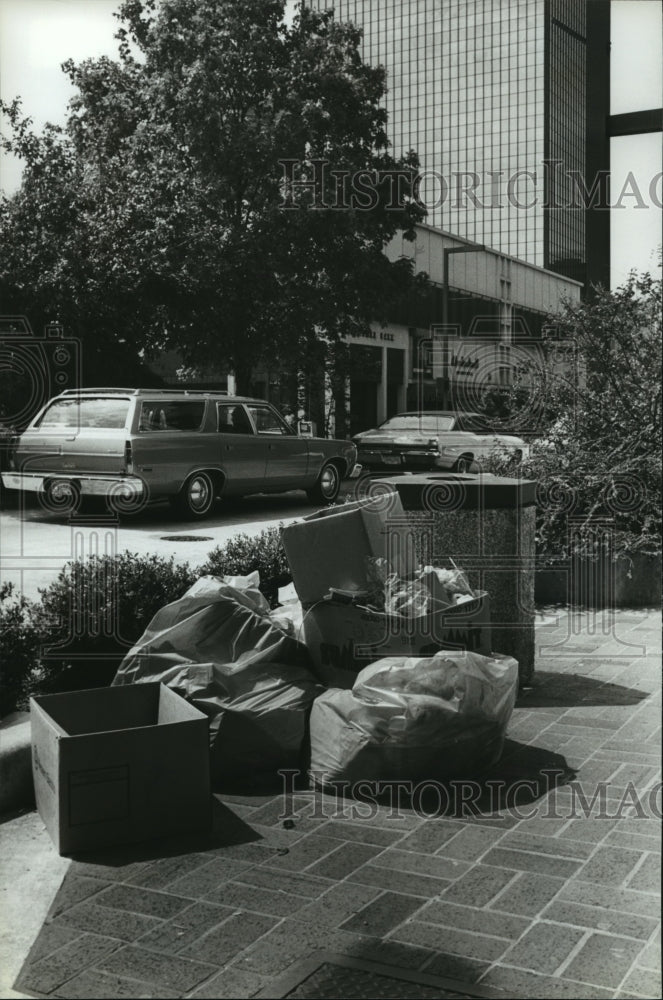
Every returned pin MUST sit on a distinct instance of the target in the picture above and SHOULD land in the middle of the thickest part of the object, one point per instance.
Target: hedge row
(79, 630)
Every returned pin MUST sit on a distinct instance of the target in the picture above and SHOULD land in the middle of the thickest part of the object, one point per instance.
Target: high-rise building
(506, 104)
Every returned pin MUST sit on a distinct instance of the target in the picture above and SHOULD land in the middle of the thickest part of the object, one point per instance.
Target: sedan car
(433, 439)
(132, 446)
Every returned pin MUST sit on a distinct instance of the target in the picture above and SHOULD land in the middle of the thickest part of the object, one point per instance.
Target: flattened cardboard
(331, 547)
(119, 765)
(344, 638)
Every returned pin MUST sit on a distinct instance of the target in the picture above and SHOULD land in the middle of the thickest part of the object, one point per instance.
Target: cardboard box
(344, 638)
(330, 548)
(119, 764)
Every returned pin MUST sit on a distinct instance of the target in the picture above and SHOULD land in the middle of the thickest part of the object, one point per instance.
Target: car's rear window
(85, 413)
(171, 415)
(414, 422)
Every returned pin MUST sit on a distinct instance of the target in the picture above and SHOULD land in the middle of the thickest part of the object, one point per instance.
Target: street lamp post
(469, 248)
(446, 252)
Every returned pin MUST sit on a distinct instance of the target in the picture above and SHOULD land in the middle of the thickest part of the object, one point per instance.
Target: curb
(16, 788)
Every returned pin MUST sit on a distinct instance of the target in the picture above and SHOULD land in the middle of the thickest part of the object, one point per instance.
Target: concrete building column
(505, 304)
(407, 368)
(503, 359)
(382, 390)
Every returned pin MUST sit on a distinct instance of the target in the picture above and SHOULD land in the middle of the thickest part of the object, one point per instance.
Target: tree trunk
(243, 374)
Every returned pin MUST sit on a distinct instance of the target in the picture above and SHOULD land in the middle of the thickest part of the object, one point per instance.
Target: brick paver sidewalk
(553, 894)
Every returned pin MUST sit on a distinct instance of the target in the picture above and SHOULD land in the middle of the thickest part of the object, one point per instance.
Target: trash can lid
(449, 491)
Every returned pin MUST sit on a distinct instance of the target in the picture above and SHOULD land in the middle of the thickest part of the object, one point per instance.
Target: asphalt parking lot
(35, 544)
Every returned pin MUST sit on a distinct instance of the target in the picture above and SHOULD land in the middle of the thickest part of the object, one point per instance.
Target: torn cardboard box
(332, 548)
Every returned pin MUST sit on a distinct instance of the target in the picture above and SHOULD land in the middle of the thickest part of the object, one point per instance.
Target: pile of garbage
(429, 588)
(372, 667)
(219, 648)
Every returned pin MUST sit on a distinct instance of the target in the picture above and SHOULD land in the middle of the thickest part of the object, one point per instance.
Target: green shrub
(584, 506)
(78, 632)
(597, 462)
(19, 647)
(244, 554)
(587, 503)
(95, 611)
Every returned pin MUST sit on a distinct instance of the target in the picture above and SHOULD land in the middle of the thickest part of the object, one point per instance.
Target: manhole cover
(187, 538)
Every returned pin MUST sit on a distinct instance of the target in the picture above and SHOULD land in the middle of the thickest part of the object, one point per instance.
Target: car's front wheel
(196, 498)
(327, 486)
(464, 464)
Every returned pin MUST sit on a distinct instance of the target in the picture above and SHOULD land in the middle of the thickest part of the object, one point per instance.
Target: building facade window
(487, 92)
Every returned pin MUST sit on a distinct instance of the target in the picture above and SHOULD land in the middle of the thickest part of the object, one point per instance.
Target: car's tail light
(128, 458)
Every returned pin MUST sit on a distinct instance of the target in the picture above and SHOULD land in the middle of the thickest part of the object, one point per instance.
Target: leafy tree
(54, 263)
(599, 457)
(204, 192)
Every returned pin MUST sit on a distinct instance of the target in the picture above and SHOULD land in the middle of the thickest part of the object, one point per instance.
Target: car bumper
(130, 486)
(405, 460)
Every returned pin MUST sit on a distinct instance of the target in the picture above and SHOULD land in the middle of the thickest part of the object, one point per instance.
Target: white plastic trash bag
(414, 719)
(468, 684)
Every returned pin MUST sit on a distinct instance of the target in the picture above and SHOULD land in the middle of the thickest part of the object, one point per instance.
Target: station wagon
(133, 446)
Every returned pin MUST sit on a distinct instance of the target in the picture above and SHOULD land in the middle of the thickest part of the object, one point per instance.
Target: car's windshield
(85, 413)
(419, 422)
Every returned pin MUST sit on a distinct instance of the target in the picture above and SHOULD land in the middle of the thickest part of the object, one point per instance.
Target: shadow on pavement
(521, 776)
(227, 830)
(574, 691)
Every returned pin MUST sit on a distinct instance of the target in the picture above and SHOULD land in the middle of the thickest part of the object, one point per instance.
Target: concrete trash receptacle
(486, 524)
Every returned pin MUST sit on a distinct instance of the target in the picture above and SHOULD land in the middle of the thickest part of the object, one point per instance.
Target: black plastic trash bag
(415, 719)
(218, 651)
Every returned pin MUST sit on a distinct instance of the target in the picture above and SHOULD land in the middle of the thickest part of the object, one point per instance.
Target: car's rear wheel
(196, 498)
(327, 486)
(60, 496)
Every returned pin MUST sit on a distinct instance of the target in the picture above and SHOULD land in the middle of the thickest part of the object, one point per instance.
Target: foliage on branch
(84, 622)
(598, 460)
(162, 214)
(19, 642)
